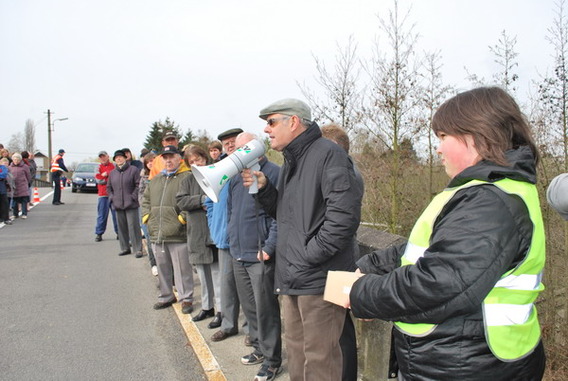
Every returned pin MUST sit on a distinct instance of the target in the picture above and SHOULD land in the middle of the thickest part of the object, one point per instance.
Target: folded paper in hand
(338, 286)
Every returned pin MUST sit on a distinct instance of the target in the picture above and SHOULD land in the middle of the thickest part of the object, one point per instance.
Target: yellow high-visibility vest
(509, 315)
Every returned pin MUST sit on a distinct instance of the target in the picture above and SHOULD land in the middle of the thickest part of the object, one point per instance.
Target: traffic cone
(36, 196)
(62, 185)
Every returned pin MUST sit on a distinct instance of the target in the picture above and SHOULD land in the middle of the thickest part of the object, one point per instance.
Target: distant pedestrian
(215, 150)
(4, 203)
(57, 169)
(4, 153)
(22, 178)
(130, 159)
(122, 188)
(148, 162)
(28, 158)
(104, 205)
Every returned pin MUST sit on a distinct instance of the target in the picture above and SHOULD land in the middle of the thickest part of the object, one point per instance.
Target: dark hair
(491, 116)
(337, 135)
(25, 154)
(148, 158)
(195, 150)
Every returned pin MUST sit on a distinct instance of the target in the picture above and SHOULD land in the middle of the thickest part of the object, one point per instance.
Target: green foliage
(159, 128)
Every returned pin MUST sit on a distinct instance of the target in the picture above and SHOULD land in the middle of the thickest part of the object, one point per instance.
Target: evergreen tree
(157, 131)
(187, 139)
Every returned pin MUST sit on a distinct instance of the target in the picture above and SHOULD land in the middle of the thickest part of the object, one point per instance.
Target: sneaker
(8, 222)
(266, 373)
(252, 359)
(138, 255)
(155, 270)
(98, 238)
(24, 217)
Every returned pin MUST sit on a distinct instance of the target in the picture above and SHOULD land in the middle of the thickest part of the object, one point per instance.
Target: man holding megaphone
(317, 206)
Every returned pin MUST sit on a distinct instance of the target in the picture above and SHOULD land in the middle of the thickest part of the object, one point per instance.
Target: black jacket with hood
(481, 233)
(317, 206)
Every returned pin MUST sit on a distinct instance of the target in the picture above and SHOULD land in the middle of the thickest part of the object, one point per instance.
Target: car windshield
(87, 167)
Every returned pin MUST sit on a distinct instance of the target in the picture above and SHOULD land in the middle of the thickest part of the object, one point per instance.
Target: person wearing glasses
(317, 206)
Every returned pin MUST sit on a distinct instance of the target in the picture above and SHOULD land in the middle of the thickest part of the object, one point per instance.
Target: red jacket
(102, 180)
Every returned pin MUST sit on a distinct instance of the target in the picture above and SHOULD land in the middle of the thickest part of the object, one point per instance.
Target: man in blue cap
(57, 168)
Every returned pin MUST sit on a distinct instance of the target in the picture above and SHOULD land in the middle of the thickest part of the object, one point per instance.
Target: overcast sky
(113, 67)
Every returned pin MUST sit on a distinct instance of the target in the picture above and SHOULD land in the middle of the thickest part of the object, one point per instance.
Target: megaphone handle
(253, 189)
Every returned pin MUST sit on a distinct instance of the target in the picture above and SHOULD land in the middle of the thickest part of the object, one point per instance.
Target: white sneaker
(24, 217)
(155, 270)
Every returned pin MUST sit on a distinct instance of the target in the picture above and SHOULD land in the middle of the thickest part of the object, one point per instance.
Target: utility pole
(49, 139)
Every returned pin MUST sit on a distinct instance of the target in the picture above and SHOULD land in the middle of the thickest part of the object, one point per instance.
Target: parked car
(84, 178)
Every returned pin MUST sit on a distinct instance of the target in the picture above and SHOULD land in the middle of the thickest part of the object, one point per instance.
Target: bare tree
(505, 57)
(342, 97)
(16, 143)
(29, 136)
(434, 92)
(392, 101)
(553, 91)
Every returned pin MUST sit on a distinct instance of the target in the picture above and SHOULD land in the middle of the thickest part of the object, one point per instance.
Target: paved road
(71, 309)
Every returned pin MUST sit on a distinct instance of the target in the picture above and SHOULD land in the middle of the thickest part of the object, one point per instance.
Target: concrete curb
(210, 365)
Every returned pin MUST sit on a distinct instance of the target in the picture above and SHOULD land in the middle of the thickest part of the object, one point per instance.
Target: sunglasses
(272, 121)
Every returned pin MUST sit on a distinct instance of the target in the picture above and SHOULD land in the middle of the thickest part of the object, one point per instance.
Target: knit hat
(118, 153)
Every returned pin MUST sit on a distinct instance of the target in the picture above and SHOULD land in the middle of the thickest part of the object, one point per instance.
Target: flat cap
(229, 133)
(170, 150)
(557, 194)
(169, 135)
(118, 153)
(288, 106)
(102, 153)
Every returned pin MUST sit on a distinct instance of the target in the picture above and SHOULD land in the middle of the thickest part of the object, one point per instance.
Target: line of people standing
(17, 172)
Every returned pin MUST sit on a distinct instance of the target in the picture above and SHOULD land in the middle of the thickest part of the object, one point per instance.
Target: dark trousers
(56, 187)
(16, 201)
(348, 344)
(255, 286)
(129, 230)
(4, 207)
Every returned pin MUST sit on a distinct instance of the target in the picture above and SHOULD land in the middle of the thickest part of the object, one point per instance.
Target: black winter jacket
(481, 233)
(317, 206)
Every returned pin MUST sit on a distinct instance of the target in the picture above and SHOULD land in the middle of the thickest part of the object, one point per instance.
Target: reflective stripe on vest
(55, 164)
(509, 315)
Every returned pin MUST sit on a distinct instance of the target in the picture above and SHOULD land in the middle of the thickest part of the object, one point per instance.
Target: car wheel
(73, 189)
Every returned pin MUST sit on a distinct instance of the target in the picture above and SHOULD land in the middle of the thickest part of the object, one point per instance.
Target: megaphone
(212, 178)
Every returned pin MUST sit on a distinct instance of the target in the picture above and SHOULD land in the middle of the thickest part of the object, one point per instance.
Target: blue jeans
(103, 207)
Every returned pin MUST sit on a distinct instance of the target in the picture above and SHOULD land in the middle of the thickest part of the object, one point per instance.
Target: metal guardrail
(41, 183)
